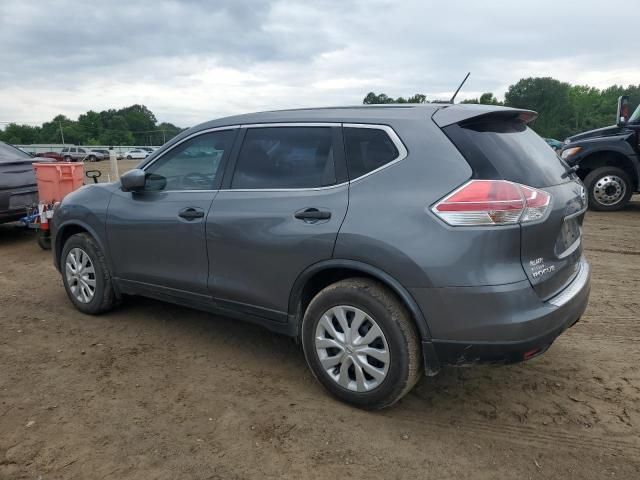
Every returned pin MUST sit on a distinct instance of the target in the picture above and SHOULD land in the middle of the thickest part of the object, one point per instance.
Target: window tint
(367, 149)
(192, 165)
(66, 149)
(286, 157)
(515, 151)
(81, 150)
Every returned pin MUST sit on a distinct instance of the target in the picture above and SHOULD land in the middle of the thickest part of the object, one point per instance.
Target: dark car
(608, 159)
(18, 188)
(390, 240)
(52, 155)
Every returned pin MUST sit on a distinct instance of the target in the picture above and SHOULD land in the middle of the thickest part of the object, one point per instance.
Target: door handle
(191, 213)
(313, 214)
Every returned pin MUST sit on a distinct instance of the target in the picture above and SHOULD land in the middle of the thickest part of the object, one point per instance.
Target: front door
(278, 214)
(157, 236)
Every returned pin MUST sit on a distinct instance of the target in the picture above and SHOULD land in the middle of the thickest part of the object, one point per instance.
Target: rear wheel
(85, 275)
(609, 188)
(67, 158)
(361, 344)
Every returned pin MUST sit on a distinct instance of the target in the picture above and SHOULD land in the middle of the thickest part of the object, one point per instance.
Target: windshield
(635, 118)
(9, 153)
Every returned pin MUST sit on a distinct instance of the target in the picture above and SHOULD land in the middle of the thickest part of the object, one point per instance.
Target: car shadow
(15, 233)
(532, 391)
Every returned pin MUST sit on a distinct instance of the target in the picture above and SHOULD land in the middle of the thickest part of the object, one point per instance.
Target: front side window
(192, 165)
(285, 157)
(367, 149)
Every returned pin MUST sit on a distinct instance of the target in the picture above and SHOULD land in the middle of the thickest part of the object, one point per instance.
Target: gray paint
(249, 257)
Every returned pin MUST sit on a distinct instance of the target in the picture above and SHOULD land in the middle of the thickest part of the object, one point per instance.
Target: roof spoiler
(448, 115)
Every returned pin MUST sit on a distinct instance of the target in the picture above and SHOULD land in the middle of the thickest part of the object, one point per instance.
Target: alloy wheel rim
(609, 190)
(81, 275)
(352, 348)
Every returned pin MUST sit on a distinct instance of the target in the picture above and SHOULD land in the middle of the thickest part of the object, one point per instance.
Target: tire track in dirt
(531, 436)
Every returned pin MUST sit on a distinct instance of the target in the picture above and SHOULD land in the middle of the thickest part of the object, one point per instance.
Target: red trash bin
(55, 180)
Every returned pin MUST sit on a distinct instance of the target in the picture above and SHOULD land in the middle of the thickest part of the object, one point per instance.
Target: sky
(194, 60)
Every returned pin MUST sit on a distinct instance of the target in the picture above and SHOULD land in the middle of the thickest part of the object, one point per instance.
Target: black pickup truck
(608, 159)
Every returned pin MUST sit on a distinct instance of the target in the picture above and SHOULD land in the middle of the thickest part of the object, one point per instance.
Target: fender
(382, 276)
(619, 145)
(57, 249)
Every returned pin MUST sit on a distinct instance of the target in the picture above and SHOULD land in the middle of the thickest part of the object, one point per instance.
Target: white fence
(57, 147)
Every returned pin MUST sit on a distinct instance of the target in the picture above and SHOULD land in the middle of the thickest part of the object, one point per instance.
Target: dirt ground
(159, 391)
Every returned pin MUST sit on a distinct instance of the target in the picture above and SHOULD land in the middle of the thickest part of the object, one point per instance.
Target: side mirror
(133, 181)
(623, 111)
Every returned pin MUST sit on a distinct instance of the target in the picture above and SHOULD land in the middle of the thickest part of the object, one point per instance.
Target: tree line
(133, 125)
(563, 109)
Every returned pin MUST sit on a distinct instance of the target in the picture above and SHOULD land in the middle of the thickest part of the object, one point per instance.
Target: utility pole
(113, 163)
(164, 138)
(61, 133)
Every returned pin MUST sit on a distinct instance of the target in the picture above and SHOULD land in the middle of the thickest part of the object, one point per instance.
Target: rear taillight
(492, 202)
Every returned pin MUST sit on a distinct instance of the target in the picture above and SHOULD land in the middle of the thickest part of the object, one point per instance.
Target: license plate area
(22, 200)
(569, 237)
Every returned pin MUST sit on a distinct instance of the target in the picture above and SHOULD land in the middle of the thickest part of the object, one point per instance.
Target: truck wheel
(361, 343)
(608, 188)
(86, 276)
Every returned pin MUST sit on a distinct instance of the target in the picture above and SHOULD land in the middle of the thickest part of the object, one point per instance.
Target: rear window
(9, 153)
(367, 149)
(508, 150)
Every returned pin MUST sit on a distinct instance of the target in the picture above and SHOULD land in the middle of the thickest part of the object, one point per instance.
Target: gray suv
(390, 240)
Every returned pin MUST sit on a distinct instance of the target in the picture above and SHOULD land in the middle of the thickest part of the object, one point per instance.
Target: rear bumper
(498, 324)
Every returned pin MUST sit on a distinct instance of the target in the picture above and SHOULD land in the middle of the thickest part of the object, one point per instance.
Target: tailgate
(551, 249)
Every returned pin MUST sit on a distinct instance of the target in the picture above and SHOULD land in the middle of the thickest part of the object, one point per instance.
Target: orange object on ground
(55, 180)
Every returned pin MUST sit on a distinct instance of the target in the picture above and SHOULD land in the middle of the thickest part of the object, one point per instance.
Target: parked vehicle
(608, 159)
(79, 154)
(553, 143)
(18, 189)
(389, 240)
(52, 155)
(136, 153)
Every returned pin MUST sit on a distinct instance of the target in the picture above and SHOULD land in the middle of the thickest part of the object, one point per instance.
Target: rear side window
(367, 149)
(285, 157)
(510, 150)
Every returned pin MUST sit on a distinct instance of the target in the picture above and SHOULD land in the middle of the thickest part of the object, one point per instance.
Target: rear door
(279, 212)
(504, 147)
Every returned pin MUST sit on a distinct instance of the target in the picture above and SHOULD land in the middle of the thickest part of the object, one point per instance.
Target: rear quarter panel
(389, 224)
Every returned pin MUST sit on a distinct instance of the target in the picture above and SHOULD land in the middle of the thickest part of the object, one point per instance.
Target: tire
(92, 158)
(128, 157)
(67, 158)
(403, 365)
(608, 188)
(44, 240)
(103, 298)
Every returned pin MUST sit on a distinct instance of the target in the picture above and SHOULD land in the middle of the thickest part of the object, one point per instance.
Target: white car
(136, 153)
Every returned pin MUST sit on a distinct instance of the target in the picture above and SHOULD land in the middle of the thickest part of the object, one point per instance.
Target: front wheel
(609, 188)
(86, 276)
(128, 157)
(361, 344)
